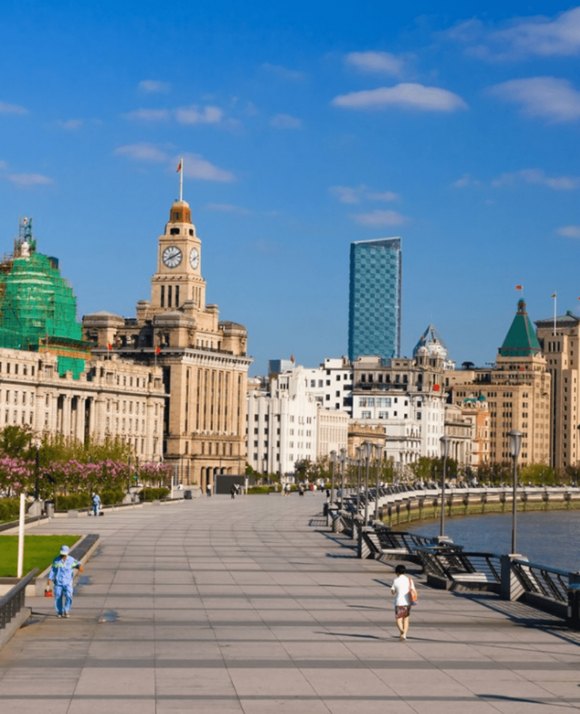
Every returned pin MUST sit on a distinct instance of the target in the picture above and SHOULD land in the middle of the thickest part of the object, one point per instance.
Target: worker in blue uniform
(96, 501)
(61, 575)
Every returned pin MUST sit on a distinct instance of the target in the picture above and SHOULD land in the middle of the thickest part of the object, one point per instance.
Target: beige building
(560, 341)
(203, 360)
(517, 391)
(111, 398)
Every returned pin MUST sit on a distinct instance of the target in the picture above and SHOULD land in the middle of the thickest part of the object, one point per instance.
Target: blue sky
(304, 126)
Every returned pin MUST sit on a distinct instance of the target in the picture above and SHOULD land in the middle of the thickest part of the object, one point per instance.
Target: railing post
(511, 588)
(574, 601)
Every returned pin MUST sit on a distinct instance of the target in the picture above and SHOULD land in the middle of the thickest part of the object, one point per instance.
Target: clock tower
(178, 278)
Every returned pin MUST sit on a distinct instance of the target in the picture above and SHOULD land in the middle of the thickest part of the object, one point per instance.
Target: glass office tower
(375, 298)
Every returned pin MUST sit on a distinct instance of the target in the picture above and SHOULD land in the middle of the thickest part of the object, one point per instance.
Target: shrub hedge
(9, 509)
(153, 494)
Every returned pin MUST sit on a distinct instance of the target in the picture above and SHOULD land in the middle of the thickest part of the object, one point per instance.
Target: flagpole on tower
(180, 172)
(555, 299)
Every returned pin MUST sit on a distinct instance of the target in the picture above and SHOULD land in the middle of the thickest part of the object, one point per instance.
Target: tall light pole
(515, 446)
(359, 458)
(342, 461)
(332, 467)
(444, 441)
(367, 448)
(378, 464)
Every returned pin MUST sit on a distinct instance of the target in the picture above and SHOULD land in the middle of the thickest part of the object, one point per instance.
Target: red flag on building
(109, 346)
(179, 167)
(158, 350)
(519, 287)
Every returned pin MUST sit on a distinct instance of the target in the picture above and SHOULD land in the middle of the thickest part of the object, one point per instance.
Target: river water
(551, 538)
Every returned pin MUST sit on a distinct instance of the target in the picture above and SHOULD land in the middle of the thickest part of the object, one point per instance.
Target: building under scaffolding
(38, 306)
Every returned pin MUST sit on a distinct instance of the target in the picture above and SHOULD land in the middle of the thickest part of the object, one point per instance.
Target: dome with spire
(431, 344)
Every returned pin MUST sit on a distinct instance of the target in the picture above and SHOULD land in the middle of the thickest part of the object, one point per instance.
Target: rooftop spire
(521, 340)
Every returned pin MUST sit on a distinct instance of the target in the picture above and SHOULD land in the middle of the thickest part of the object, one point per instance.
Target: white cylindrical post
(19, 567)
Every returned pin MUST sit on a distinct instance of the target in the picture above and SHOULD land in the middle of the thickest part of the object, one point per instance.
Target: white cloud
(285, 121)
(6, 108)
(143, 152)
(543, 36)
(292, 75)
(569, 231)
(70, 124)
(195, 115)
(466, 181)
(539, 178)
(148, 115)
(195, 166)
(518, 38)
(407, 95)
(376, 219)
(228, 208)
(375, 62)
(356, 194)
(24, 180)
(153, 86)
(384, 196)
(545, 97)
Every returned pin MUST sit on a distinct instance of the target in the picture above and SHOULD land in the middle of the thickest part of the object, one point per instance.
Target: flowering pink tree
(15, 475)
(155, 474)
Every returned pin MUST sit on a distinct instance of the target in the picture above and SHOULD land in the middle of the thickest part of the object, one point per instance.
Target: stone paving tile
(222, 606)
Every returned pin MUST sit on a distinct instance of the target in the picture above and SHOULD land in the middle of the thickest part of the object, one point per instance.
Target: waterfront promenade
(252, 605)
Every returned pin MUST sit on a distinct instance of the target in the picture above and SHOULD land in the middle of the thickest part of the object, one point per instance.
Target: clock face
(171, 256)
(194, 258)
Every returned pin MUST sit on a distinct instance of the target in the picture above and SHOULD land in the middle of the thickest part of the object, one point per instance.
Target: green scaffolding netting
(37, 306)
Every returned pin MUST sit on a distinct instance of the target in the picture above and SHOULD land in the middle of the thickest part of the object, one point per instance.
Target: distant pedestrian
(61, 576)
(233, 491)
(208, 490)
(96, 504)
(401, 589)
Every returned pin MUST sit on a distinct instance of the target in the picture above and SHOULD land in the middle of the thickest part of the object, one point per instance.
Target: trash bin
(187, 495)
(49, 508)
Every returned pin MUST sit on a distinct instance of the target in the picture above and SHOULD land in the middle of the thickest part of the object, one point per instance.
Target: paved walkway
(252, 606)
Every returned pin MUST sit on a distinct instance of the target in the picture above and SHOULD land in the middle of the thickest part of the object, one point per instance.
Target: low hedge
(72, 501)
(153, 494)
(112, 497)
(9, 509)
(261, 490)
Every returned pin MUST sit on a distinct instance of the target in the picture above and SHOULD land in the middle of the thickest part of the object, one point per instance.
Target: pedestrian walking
(96, 503)
(61, 577)
(208, 490)
(233, 491)
(403, 588)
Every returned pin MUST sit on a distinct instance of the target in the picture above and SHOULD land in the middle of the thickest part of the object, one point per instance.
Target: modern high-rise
(375, 298)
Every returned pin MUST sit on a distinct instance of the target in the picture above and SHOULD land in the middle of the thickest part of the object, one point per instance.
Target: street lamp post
(515, 446)
(36, 443)
(378, 464)
(358, 477)
(444, 440)
(342, 461)
(367, 448)
(332, 467)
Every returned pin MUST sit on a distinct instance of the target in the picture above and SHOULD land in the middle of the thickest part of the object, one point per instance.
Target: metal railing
(13, 601)
(542, 581)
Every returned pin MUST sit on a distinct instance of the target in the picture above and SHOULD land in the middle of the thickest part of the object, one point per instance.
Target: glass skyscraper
(374, 325)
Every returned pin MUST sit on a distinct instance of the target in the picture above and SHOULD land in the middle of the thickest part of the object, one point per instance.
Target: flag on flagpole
(519, 287)
(158, 350)
(554, 295)
(179, 167)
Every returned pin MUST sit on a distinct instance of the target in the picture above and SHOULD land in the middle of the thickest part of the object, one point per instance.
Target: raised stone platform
(252, 605)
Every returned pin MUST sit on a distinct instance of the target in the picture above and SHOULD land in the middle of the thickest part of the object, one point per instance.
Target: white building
(288, 423)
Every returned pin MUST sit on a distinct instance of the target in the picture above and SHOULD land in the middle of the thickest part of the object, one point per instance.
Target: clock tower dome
(178, 278)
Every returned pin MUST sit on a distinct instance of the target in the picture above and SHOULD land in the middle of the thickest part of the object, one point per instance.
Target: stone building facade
(203, 360)
(517, 391)
(111, 398)
(560, 341)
